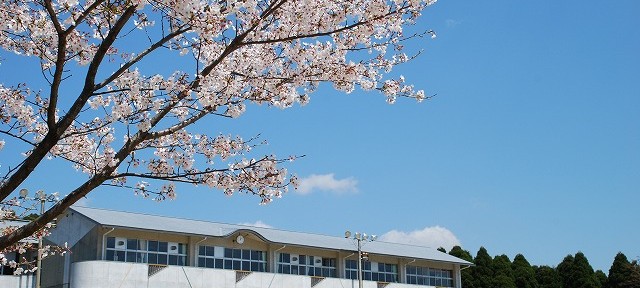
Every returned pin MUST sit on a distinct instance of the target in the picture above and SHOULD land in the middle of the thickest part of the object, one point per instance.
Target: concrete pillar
(192, 251)
(402, 272)
(457, 276)
(272, 257)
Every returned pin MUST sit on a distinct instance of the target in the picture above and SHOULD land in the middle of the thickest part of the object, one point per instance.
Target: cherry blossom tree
(105, 108)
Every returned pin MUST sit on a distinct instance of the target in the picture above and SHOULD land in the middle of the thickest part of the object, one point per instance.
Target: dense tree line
(573, 272)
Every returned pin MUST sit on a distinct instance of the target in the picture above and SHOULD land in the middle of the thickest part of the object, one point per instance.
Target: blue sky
(532, 144)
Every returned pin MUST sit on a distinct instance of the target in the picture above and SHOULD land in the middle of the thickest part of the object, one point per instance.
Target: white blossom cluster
(16, 209)
(128, 120)
(23, 265)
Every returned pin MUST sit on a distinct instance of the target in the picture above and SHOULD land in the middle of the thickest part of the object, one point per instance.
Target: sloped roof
(129, 220)
(18, 223)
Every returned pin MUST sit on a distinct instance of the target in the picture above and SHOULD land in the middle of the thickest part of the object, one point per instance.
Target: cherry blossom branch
(21, 138)
(235, 44)
(49, 215)
(140, 56)
(175, 177)
(84, 14)
(87, 131)
(54, 18)
(179, 126)
(326, 33)
(52, 137)
(272, 8)
(388, 42)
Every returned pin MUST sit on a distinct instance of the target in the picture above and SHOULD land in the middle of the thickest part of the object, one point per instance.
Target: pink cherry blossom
(128, 123)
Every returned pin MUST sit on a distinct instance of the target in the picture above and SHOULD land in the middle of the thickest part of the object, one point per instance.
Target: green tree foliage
(524, 275)
(483, 272)
(576, 272)
(466, 274)
(634, 278)
(623, 274)
(585, 276)
(601, 278)
(573, 272)
(547, 277)
(502, 272)
(31, 217)
(619, 272)
(565, 271)
(457, 251)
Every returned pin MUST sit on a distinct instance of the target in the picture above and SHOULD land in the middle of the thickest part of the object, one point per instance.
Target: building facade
(121, 249)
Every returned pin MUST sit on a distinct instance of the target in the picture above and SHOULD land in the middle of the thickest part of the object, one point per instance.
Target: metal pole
(359, 264)
(39, 262)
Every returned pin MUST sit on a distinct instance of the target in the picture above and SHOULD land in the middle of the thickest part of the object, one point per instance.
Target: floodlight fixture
(40, 195)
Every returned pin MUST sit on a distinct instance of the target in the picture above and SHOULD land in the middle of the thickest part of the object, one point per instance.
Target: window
(234, 259)
(373, 271)
(306, 265)
(429, 276)
(145, 251)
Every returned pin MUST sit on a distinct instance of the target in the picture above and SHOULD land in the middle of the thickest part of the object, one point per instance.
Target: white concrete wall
(103, 274)
(22, 281)
(192, 277)
(273, 280)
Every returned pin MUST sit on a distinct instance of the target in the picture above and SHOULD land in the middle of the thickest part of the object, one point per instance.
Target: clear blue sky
(532, 144)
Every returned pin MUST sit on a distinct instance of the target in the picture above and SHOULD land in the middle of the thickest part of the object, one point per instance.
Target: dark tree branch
(57, 209)
(60, 60)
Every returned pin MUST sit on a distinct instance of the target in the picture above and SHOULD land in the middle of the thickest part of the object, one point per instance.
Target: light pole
(359, 237)
(42, 197)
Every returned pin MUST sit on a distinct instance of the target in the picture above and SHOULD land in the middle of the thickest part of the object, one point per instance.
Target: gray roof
(18, 223)
(129, 220)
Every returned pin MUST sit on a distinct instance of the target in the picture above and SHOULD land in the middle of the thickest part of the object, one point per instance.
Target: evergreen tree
(466, 274)
(584, 276)
(457, 251)
(601, 278)
(547, 277)
(576, 272)
(502, 272)
(523, 273)
(620, 271)
(31, 217)
(565, 271)
(483, 272)
(633, 281)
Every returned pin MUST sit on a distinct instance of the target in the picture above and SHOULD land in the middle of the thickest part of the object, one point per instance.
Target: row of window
(146, 251)
(235, 259)
(170, 253)
(306, 265)
(373, 271)
(429, 276)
